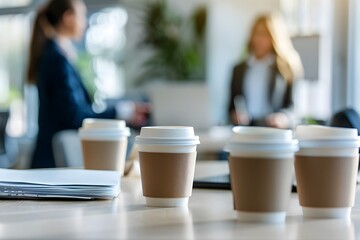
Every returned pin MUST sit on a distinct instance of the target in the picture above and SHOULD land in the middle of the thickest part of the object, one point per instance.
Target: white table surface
(210, 216)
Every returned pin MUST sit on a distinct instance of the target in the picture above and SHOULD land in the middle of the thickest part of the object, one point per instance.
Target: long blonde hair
(287, 58)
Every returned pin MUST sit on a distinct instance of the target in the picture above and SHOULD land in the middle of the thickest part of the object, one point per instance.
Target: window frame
(353, 98)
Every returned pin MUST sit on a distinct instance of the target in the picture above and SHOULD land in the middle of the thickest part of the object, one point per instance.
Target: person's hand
(134, 113)
(140, 115)
(240, 118)
(277, 120)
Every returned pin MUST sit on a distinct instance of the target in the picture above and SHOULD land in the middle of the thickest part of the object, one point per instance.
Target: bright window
(13, 52)
(14, 3)
(312, 18)
(354, 56)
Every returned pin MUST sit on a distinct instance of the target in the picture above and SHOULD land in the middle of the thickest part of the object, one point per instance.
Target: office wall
(228, 25)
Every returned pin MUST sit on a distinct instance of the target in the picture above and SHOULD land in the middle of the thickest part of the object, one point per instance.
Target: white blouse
(256, 86)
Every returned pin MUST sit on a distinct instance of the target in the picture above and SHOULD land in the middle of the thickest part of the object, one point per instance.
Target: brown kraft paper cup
(167, 175)
(261, 184)
(326, 182)
(104, 154)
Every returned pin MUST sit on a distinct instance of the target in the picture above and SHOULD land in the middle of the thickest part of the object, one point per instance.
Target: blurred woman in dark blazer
(262, 85)
(64, 102)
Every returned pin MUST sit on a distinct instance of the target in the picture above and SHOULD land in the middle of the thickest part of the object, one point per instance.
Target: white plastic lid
(314, 136)
(261, 135)
(167, 135)
(315, 132)
(103, 129)
(255, 139)
(103, 124)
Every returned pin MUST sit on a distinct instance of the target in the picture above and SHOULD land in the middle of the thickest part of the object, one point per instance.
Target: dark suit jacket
(280, 91)
(64, 102)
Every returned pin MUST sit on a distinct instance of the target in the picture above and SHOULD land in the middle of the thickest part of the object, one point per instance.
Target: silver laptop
(181, 105)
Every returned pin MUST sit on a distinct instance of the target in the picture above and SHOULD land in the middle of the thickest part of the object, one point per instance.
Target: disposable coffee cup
(261, 168)
(326, 170)
(167, 158)
(104, 144)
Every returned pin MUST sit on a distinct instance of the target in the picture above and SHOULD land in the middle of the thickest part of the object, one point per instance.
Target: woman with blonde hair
(262, 85)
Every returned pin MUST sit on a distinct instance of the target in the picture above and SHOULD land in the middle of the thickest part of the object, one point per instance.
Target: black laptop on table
(219, 182)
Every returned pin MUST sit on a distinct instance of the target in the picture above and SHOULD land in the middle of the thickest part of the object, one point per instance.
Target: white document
(59, 183)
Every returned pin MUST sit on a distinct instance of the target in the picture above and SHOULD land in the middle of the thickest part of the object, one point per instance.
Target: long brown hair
(287, 59)
(47, 20)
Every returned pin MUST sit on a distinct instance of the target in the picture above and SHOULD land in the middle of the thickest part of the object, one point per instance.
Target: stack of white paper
(59, 183)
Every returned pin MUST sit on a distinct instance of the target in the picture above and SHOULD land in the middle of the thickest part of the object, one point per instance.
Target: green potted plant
(177, 44)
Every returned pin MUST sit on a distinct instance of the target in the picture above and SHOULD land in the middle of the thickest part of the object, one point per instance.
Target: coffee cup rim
(106, 131)
(103, 134)
(264, 154)
(167, 141)
(326, 143)
(246, 134)
(262, 142)
(167, 132)
(261, 147)
(317, 132)
(103, 124)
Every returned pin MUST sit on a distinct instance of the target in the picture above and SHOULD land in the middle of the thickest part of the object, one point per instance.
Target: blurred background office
(131, 46)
